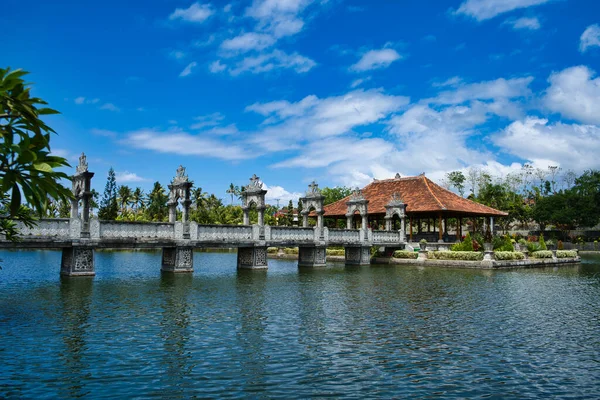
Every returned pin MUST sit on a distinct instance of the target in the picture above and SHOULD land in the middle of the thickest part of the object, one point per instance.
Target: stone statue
(83, 165)
(255, 184)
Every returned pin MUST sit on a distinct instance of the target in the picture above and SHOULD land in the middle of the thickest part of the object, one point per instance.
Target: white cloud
(589, 38)
(177, 54)
(275, 193)
(376, 59)
(182, 143)
(110, 107)
(278, 17)
(357, 82)
(248, 41)
(195, 13)
(216, 67)
(128, 177)
(486, 9)
(188, 69)
(210, 120)
(103, 132)
(453, 82)
(575, 94)
(277, 59)
(80, 100)
(570, 146)
(524, 23)
(497, 89)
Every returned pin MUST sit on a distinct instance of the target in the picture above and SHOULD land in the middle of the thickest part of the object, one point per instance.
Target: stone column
(349, 221)
(320, 219)
(252, 258)
(261, 216)
(172, 212)
(492, 225)
(312, 256)
(388, 224)
(177, 259)
(358, 255)
(74, 208)
(403, 229)
(246, 217)
(304, 219)
(77, 261)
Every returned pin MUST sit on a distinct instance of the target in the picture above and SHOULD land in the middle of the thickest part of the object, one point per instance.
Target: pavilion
(416, 201)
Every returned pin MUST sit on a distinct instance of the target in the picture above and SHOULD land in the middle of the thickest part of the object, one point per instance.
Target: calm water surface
(379, 331)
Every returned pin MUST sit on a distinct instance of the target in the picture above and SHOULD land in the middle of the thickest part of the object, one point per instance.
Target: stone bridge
(79, 235)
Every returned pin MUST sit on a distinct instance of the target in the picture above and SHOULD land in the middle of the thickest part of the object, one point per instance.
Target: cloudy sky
(341, 91)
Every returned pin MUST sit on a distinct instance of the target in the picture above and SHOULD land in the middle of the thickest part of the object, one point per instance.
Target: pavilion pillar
(459, 229)
(349, 221)
(410, 223)
(305, 219)
(440, 239)
(492, 225)
(388, 224)
(246, 217)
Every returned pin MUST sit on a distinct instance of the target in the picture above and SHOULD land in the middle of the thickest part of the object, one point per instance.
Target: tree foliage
(109, 208)
(27, 169)
(334, 194)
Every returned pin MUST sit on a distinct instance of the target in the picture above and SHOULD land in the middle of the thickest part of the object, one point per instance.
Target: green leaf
(15, 200)
(42, 166)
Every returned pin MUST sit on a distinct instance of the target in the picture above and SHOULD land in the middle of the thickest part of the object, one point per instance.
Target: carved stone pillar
(82, 190)
(388, 223)
(253, 193)
(312, 256)
(77, 261)
(357, 202)
(177, 259)
(261, 216)
(252, 258)
(172, 212)
(313, 200)
(358, 255)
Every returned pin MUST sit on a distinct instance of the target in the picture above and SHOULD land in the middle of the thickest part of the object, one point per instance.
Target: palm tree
(125, 195)
(198, 197)
(233, 190)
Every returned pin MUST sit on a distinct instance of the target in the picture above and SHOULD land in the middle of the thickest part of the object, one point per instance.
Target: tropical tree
(108, 205)
(457, 180)
(137, 199)
(157, 209)
(334, 194)
(233, 191)
(27, 168)
(124, 197)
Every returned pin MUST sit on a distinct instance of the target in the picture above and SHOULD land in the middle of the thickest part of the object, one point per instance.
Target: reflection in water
(250, 298)
(177, 361)
(75, 301)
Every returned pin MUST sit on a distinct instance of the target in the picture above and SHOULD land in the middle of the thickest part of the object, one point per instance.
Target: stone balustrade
(386, 237)
(344, 235)
(225, 233)
(125, 230)
(52, 228)
(284, 233)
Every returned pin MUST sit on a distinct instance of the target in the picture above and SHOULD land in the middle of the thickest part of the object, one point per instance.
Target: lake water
(360, 332)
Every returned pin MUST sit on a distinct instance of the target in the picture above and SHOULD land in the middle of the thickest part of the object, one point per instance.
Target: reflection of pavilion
(427, 204)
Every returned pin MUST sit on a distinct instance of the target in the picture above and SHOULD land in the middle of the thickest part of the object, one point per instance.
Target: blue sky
(296, 90)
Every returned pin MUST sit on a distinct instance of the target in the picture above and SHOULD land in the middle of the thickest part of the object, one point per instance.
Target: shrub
(290, 250)
(465, 245)
(405, 254)
(542, 242)
(533, 246)
(455, 255)
(523, 242)
(336, 252)
(509, 255)
(560, 245)
(566, 254)
(272, 250)
(423, 241)
(541, 254)
(503, 243)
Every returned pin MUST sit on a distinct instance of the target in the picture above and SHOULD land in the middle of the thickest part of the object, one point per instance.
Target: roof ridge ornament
(397, 176)
(396, 200)
(83, 165)
(357, 195)
(255, 184)
(180, 177)
(313, 190)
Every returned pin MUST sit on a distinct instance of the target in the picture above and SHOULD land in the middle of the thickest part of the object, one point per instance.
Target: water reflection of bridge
(79, 235)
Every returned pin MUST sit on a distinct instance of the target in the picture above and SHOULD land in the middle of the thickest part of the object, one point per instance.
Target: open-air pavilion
(415, 205)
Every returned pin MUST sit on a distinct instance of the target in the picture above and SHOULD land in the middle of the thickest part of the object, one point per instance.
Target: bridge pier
(177, 259)
(77, 261)
(358, 255)
(312, 256)
(252, 258)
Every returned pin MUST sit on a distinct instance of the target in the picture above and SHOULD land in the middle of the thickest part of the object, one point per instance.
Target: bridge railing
(286, 233)
(130, 230)
(386, 237)
(55, 228)
(221, 233)
(344, 236)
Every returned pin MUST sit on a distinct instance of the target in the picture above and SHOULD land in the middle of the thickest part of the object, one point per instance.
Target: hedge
(405, 254)
(566, 254)
(541, 254)
(290, 250)
(272, 250)
(508, 255)
(336, 252)
(455, 255)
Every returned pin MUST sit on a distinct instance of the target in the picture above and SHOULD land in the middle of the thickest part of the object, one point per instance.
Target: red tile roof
(421, 196)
